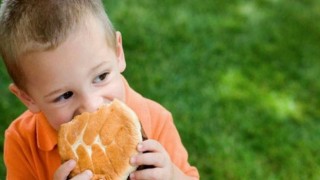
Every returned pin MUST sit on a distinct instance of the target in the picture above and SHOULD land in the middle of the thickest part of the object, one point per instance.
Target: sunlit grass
(240, 79)
(234, 85)
(283, 106)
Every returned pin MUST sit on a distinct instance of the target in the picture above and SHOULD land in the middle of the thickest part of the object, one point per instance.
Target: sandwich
(102, 141)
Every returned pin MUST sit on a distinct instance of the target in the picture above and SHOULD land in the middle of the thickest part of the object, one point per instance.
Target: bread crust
(102, 141)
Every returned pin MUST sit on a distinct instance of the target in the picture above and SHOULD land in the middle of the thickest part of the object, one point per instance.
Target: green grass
(240, 79)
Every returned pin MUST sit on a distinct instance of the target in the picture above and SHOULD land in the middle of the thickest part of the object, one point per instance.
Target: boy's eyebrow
(98, 66)
(53, 92)
(91, 71)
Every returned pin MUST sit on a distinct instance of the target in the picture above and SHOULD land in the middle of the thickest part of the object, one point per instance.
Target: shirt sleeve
(167, 134)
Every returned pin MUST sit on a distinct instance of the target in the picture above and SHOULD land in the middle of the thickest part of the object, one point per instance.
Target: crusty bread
(102, 141)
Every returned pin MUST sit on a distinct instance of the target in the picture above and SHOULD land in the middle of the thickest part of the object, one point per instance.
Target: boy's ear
(24, 98)
(120, 52)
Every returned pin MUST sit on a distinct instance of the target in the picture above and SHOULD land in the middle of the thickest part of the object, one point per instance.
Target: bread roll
(102, 141)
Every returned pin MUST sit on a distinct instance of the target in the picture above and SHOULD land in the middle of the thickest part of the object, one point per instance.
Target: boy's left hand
(156, 156)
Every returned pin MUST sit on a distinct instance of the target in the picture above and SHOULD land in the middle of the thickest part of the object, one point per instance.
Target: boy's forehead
(90, 27)
(87, 41)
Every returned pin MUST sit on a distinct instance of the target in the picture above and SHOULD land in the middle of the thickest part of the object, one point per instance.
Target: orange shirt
(30, 147)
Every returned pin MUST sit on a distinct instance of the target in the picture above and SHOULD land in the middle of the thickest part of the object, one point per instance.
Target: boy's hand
(156, 156)
(64, 170)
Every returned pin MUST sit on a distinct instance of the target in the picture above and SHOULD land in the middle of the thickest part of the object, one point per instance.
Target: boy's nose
(90, 104)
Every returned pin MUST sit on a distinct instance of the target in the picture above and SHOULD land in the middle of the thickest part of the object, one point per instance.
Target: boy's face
(80, 75)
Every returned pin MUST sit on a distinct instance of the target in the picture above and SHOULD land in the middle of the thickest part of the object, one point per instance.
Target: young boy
(65, 59)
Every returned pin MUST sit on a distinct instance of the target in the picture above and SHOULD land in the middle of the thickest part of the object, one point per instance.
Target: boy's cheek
(58, 118)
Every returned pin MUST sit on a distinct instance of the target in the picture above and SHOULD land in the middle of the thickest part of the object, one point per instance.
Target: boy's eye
(64, 96)
(100, 78)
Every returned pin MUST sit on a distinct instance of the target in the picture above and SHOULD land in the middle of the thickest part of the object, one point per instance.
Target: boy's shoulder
(31, 130)
(27, 127)
(21, 132)
(156, 108)
(143, 105)
(25, 123)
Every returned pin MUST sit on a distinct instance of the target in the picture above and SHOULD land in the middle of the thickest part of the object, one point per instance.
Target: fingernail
(133, 160)
(139, 147)
(88, 172)
(72, 163)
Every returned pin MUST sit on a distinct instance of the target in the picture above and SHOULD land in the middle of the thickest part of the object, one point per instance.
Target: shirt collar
(139, 105)
(47, 136)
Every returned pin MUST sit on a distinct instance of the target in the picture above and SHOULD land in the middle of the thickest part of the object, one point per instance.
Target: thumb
(64, 170)
(87, 174)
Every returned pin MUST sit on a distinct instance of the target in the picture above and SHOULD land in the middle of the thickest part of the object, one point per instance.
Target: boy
(65, 59)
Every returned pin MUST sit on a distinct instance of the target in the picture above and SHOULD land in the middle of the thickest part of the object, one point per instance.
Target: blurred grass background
(240, 78)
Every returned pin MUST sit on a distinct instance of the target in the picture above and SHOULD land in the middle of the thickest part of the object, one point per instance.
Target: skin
(79, 76)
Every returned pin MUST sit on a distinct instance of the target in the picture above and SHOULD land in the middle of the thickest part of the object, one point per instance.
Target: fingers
(64, 170)
(152, 153)
(155, 159)
(150, 145)
(87, 174)
(155, 173)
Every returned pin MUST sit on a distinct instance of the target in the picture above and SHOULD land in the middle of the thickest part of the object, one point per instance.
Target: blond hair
(39, 25)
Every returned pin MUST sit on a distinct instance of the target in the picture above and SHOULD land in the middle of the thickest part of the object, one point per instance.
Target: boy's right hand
(64, 170)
